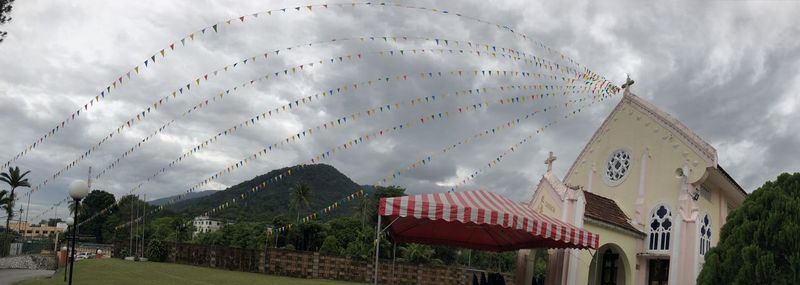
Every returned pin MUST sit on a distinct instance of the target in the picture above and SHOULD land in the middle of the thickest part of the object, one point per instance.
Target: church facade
(652, 189)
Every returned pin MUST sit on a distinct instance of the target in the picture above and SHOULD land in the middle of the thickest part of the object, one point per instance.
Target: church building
(654, 192)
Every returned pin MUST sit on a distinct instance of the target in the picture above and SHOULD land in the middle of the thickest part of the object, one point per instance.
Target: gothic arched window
(660, 228)
(705, 234)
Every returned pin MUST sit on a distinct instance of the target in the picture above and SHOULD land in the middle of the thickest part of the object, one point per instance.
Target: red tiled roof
(606, 210)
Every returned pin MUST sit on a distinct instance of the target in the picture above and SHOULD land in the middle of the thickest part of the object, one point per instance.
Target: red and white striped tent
(478, 220)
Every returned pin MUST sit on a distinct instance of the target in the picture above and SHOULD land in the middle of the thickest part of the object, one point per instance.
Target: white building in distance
(205, 224)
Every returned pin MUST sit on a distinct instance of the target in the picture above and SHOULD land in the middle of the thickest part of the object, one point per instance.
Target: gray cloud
(725, 69)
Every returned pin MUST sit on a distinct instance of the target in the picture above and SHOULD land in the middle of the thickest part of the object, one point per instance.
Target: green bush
(157, 250)
(330, 246)
(359, 249)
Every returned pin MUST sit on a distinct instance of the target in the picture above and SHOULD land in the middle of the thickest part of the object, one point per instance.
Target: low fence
(304, 264)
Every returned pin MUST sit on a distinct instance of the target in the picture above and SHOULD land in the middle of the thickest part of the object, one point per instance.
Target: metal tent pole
(377, 247)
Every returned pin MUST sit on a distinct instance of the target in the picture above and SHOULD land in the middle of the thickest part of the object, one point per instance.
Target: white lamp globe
(70, 221)
(78, 189)
(99, 251)
(64, 248)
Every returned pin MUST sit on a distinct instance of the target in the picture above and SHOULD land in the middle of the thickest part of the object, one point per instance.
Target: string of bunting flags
(368, 112)
(492, 131)
(263, 185)
(359, 140)
(501, 101)
(551, 88)
(541, 63)
(206, 101)
(263, 151)
(127, 76)
(350, 143)
(52, 207)
(492, 163)
(427, 159)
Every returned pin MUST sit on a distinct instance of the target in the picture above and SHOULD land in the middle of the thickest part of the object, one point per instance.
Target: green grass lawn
(116, 271)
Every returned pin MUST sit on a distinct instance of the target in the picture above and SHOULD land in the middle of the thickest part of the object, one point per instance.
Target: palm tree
(6, 203)
(14, 179)
(300, 194)
(71, 207)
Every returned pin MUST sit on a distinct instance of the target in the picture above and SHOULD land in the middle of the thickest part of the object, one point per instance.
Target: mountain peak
(326, 182)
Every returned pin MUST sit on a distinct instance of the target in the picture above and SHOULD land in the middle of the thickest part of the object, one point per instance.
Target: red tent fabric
(479, 220)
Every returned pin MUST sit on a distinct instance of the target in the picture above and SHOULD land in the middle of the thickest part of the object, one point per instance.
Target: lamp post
(78, 190)
(70, 222)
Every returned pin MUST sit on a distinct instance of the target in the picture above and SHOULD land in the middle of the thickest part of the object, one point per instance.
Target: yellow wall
(629, 244)
(631, 129)
(546, 200)
(635, 131)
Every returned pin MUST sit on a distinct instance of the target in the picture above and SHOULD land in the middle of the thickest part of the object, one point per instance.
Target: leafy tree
(239, 235)
(13, 177)
(330, 246)
(345, 230)
(307, 236)
(381, 192)
(758, 243)
(5, 10)
(300, 194)
(279, 239)
(94, 203)
(162, 228)
(129, 206)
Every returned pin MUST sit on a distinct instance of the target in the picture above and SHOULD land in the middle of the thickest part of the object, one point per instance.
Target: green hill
(326, 182)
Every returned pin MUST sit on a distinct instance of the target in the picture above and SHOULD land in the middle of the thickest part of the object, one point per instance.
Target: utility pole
(130, 247)
(89, 179)
(19, 223)
(144, 222)
(136, 230)
(27, 209)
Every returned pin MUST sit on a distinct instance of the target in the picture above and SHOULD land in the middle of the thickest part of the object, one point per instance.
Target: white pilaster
(574, 255)
(640, 216)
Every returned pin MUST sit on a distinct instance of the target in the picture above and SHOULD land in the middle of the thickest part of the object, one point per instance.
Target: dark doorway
(608, 275)
(659, 272)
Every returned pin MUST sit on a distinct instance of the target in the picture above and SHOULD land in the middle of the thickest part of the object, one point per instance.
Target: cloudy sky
(727, 69)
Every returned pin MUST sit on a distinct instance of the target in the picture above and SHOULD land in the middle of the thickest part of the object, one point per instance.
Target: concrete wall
(36, 262)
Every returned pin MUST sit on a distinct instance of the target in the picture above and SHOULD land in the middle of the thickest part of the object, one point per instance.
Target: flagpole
(377, 247)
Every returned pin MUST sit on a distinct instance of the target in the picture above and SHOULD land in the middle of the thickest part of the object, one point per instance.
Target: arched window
(705, 234)
(660, 228)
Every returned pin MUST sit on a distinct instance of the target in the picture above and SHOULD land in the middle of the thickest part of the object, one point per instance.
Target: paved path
(11, 276)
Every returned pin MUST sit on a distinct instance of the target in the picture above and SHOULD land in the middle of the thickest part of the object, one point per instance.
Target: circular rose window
(617, 166)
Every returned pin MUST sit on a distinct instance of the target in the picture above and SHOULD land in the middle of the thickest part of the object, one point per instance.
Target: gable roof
(606, 210)
(703, 148)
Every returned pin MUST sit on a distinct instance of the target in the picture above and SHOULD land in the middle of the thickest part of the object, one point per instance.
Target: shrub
(330, 246)
(157, 250)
